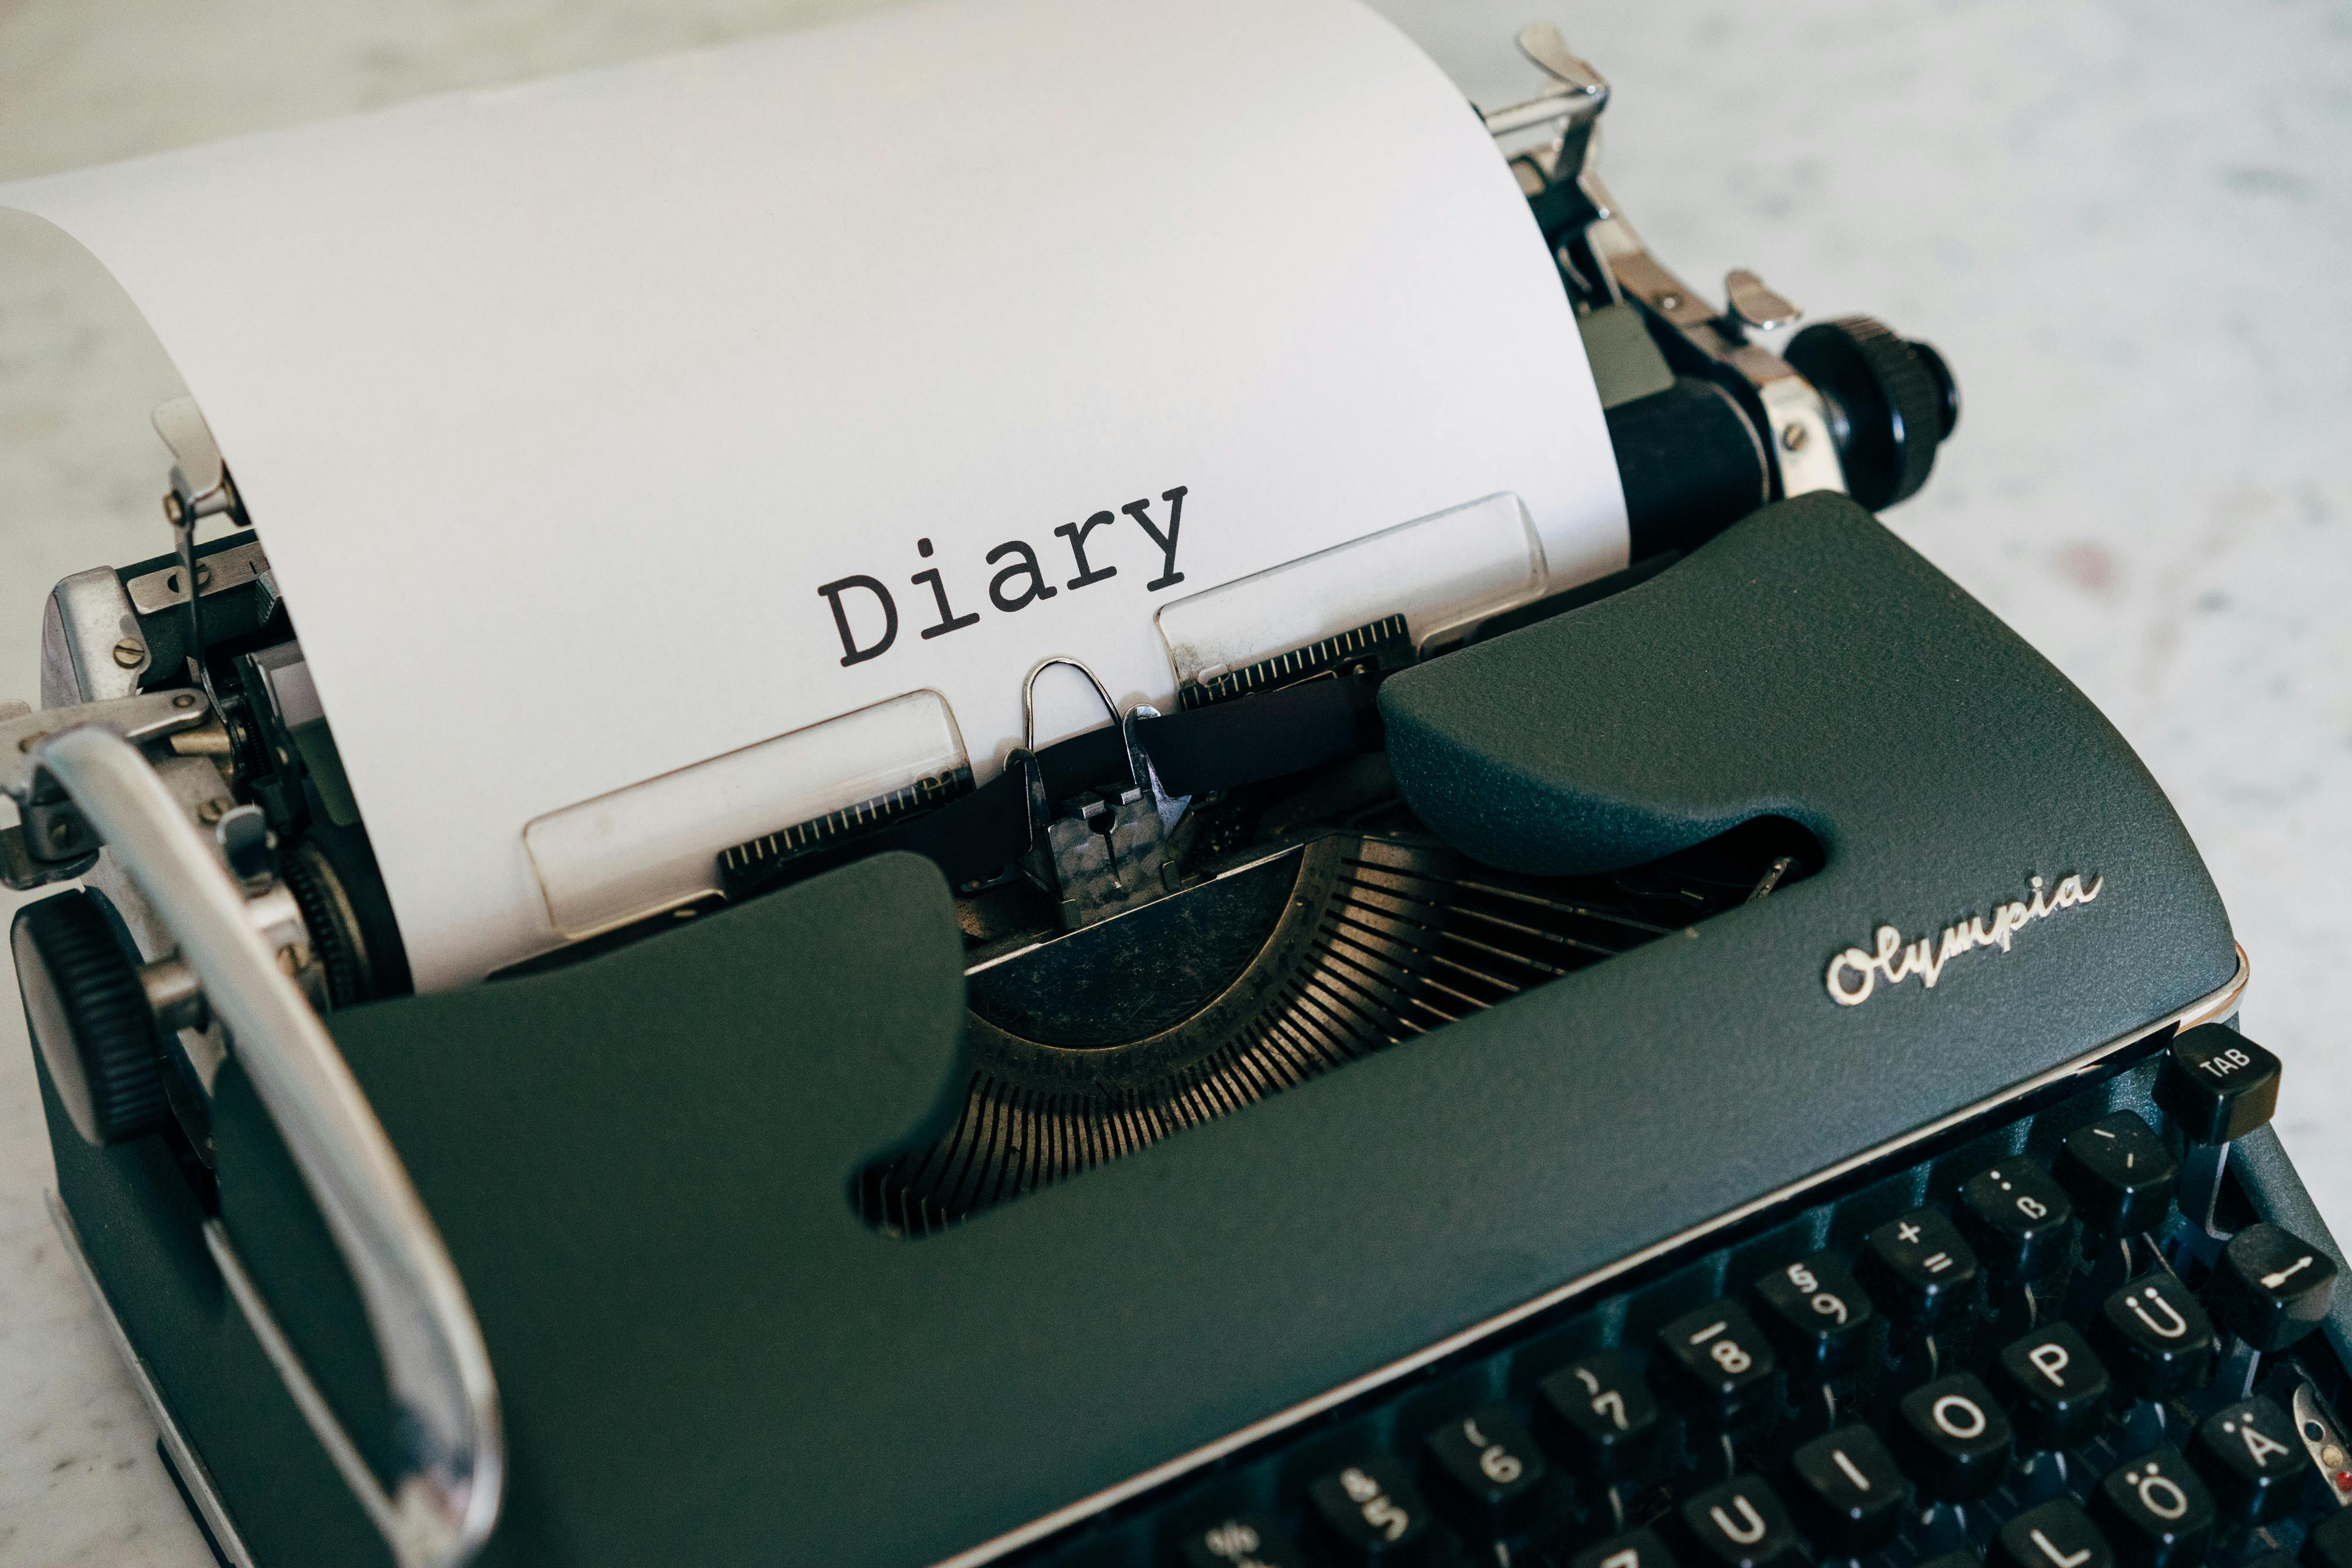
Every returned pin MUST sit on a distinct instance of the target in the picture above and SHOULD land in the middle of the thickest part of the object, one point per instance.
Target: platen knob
(1890, 401)
(88, 1017)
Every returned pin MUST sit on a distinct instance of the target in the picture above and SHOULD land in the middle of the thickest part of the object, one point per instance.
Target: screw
(130, 652)
(184, 700)
(211, 810)
(1670, 301)
(1792, 437)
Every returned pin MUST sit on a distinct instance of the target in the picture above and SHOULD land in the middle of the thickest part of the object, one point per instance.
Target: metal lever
(1581, 96)
(51, 842)
(1606, 262)
(201, 487)
(445, 1496)
(1755, 304)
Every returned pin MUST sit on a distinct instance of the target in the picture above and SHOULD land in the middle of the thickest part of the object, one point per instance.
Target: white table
(2123, 225)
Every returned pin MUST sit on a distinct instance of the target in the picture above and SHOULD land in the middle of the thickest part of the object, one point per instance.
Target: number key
(1817, 1312)
(2158, 1511)
(1488, 1466)
(1919, 1267)
(2250, 1454)
(1720, 1361)
(2017, 1218)
(1371, 1510)
(1602, 1417)
(1238, 1541)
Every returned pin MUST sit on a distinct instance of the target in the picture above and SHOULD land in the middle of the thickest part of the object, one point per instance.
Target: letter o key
(1960, 1439)
(1960, 1416)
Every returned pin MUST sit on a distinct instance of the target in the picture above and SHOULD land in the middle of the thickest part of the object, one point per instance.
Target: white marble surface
(2123, 223)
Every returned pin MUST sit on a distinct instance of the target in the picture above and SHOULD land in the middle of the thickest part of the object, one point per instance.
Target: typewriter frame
(444, 1502)
(442, 1509)
(249, 961)
(87, 762)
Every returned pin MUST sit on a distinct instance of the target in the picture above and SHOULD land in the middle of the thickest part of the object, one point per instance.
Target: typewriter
(1731, 1065)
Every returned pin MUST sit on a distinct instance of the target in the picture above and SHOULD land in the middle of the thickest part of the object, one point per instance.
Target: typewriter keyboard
(2053, 1340)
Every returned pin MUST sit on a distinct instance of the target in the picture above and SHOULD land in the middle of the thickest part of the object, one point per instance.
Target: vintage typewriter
(1729, 1066)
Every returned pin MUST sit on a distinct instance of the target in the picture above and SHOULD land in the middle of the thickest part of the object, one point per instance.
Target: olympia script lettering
(1019, 582)
(1858, 971)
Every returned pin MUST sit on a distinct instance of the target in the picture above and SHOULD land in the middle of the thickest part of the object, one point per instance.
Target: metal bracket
(201, 487)
(1604, 261)
(1104, 852)
(50, 841)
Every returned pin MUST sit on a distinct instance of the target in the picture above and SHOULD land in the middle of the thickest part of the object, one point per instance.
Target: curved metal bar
(444, 1496)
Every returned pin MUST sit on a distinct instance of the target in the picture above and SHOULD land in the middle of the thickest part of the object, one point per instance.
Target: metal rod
(450, 1473)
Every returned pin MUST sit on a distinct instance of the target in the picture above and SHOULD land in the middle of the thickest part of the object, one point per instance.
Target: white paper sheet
(556, 406)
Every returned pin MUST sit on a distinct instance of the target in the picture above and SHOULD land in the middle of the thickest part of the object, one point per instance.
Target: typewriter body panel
(682, 1158)
(723, 1239)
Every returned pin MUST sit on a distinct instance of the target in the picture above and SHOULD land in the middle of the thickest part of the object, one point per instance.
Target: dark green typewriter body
(1753, 1106)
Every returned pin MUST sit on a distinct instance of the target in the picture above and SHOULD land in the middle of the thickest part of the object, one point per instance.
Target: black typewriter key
(2271, 1288)
(1485, 1466)
(2017, 1218)
(2329, 1544)
(1371, 1510)
(1847, 1491)
(2217, 1084)
(1818, 1313)
(2157, 1511)
(1720, 1361)
(1740, 1524)
(2158, 1341)
(1634, 1549)
(1238, 1541)
(1602, 1418)
(2055, 1534)
(1918, 1266)
(2055, 1387)
(2251, 1457)
(2118, 1174)
(1956, 1436)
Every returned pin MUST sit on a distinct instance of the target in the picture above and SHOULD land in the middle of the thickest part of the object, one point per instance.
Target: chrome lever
(1579, 98)
(444, 1499)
